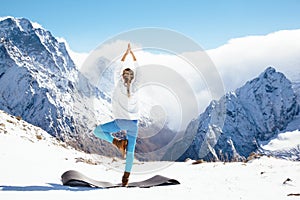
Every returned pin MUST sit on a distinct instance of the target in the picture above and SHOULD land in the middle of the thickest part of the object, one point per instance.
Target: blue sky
(87, 23)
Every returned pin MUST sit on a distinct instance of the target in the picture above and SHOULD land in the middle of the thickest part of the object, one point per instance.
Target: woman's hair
(128, 76)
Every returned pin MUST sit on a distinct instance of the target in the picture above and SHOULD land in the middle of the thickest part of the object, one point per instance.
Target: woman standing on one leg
(125, 110)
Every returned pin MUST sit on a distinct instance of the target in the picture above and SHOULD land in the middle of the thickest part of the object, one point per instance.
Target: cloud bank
(242, 59)
(78, 58)
(236, 62)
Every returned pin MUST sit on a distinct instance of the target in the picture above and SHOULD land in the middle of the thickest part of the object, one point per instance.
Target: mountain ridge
(233, 127)
(41, 83)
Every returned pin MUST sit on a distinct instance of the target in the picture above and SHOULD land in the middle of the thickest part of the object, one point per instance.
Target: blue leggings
(104, 131)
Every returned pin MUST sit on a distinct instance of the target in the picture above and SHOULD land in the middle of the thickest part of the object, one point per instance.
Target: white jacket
(125, 107)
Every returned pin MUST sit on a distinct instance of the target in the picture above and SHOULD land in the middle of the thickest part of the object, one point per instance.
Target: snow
(32, 162)
(37, 25)
(284, 141)
(5, 17)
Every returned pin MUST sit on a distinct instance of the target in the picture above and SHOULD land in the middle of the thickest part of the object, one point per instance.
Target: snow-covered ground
(32, 163)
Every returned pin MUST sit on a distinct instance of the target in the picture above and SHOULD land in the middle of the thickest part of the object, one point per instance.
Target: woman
(125, 110)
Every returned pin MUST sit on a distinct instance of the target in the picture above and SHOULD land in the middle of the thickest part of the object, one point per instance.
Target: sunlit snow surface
(32, 163)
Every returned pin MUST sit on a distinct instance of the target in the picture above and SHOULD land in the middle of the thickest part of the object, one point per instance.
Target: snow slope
(32, 162)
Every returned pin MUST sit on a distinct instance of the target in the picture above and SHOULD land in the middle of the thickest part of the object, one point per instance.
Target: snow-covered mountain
(235, 126)
(40, 83)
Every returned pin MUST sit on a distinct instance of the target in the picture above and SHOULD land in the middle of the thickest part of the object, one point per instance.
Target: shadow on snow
(50, 187)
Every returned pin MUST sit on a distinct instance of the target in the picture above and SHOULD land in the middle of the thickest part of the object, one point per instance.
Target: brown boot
(121, 145)
(125, 179)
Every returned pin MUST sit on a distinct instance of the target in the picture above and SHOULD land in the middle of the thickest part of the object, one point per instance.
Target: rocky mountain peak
(234, 126)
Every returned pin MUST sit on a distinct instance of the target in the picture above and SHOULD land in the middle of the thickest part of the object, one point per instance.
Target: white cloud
(78, 58)
(242, 59)
(236, 62)
(181, 78)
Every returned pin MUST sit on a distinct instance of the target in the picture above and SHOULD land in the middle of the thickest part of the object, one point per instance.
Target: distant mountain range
(235, 126)
(40, 83)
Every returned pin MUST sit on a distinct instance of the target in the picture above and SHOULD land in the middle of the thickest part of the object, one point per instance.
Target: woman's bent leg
(104, 131)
